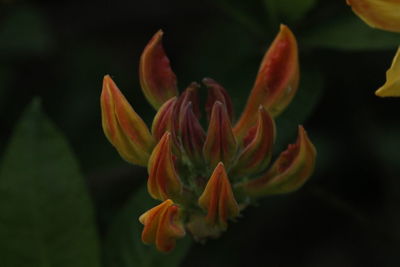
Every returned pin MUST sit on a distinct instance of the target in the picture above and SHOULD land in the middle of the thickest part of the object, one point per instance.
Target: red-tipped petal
(381, 14)
(276, 82)
(220, 144)
(192, 134)
(157, 79)
(123, 127)
(163, 182)
(289, 172)
(256, 154)
(217, 93)
(218, 199)
(162, 226)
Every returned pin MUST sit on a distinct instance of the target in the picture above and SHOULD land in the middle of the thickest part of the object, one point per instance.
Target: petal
(163, 182)
(256, 155)
(157, 79)
(217, 93)
(165, 121)
(392, 84)
(276, 82)
(162, 226)
(123, 126)
(220, 144)
(218, 199)
(192, 134)
(289, 172)
(189, 95)
(381, 14)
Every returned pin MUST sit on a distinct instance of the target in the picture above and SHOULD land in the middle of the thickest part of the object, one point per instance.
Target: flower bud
(256, 154)
(162, 226)
(217, 93)
(192, 134)
(157, 79)
(276, 83)
(220, 144)
(218, 199)
(288, 173)
(163, 182)
(123, 127)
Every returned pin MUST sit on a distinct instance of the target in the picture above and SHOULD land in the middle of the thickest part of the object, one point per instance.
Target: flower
(392, 84)
(205, 177)
(381, 14)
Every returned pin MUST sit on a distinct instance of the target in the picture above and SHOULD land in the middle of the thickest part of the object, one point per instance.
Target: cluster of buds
(204, 178)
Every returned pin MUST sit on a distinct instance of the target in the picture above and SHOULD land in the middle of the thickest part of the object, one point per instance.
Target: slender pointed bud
(162, 226)
(380, 14)
(157, 79)
(218, 199)
(217, 93)
(256, 154)
(123, 127)
(276, 83)
(289, 172)
(192, 134)
(165, 121)
(163, 182)
(220, 144)
(189, 95)
(391, 87)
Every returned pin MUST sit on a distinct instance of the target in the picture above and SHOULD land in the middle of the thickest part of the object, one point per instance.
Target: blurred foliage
(346, 215)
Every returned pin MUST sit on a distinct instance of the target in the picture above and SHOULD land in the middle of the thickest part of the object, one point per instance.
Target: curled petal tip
(380, 14)
(122, 125)
(157, 79)
(220, 143)
(163, 182)
(276, 83)
(391, 88)
(162, 226)
(218, 199)
(289, 172)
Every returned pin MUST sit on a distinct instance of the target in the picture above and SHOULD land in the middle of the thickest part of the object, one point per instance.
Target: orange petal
(381, 14)
(218, 199)
(276, 82)
(163, 182)
(220, 144)
(391, 88)
(157, 79)
(123, 126)
(256, 154)
(217, 93)
(162, 226)
(289, 172)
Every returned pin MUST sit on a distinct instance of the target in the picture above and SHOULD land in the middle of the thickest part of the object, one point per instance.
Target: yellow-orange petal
(220, 143)
(289, 172)
(218, 199)
(162, 226)
(123, 127)
(391, 88)
(157, 79)
(381, 14)
(276, 83)
(163, 182)
(256, 154)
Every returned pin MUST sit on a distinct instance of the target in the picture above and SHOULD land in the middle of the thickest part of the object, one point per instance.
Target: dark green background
(346, 215)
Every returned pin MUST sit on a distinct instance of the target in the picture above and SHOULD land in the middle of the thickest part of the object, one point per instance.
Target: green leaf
(288, 10)
(124, 247)
(348, 33)
(46, 218)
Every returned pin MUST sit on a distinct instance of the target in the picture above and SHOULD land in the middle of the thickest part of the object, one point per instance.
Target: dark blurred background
(348, 214)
